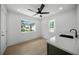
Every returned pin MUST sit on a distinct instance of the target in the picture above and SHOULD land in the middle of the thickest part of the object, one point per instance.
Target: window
(51, 25)
(27, 25)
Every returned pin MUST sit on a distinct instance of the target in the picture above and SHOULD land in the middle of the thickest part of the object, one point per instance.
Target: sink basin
(66, 36)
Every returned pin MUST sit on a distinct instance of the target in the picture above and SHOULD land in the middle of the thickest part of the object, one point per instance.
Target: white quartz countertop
(66, 44)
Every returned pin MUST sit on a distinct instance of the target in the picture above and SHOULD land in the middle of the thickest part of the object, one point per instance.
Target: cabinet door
(3, 29)
(52, 50)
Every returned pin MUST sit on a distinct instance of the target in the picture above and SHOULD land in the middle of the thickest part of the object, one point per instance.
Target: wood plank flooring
(33, 47)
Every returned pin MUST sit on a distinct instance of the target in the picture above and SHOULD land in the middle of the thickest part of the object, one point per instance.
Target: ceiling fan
(39, 11)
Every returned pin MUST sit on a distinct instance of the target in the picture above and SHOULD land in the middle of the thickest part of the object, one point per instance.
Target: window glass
(51, 25)
(27, 25)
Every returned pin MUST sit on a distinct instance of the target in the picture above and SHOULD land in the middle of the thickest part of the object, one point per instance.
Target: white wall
(78, 17)
(0, 28)
(77, 22)
(64, 22)
(14, 34)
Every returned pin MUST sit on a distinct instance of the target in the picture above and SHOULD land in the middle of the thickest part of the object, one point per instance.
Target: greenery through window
(51, 25)
(27, 25)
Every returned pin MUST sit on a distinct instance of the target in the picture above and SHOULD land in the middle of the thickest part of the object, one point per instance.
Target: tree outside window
(51, 25)
(27, 25)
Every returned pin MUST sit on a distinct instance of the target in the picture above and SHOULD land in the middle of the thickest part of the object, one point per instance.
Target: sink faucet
(75, 32)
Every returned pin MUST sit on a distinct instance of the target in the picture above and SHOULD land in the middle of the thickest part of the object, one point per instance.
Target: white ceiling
(52, 8)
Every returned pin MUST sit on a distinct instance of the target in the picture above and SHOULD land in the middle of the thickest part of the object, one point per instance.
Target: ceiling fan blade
(44, 12)
(31, 10)
(41, 7)
(35, 14)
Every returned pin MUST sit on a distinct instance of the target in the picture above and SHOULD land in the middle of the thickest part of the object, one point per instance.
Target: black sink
(66, 36)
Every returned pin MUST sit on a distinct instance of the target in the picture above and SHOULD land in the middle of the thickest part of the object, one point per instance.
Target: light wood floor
(33, 47)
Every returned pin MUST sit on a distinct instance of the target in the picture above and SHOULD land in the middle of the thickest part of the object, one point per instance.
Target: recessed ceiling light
(61, 8)
(18, 9)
